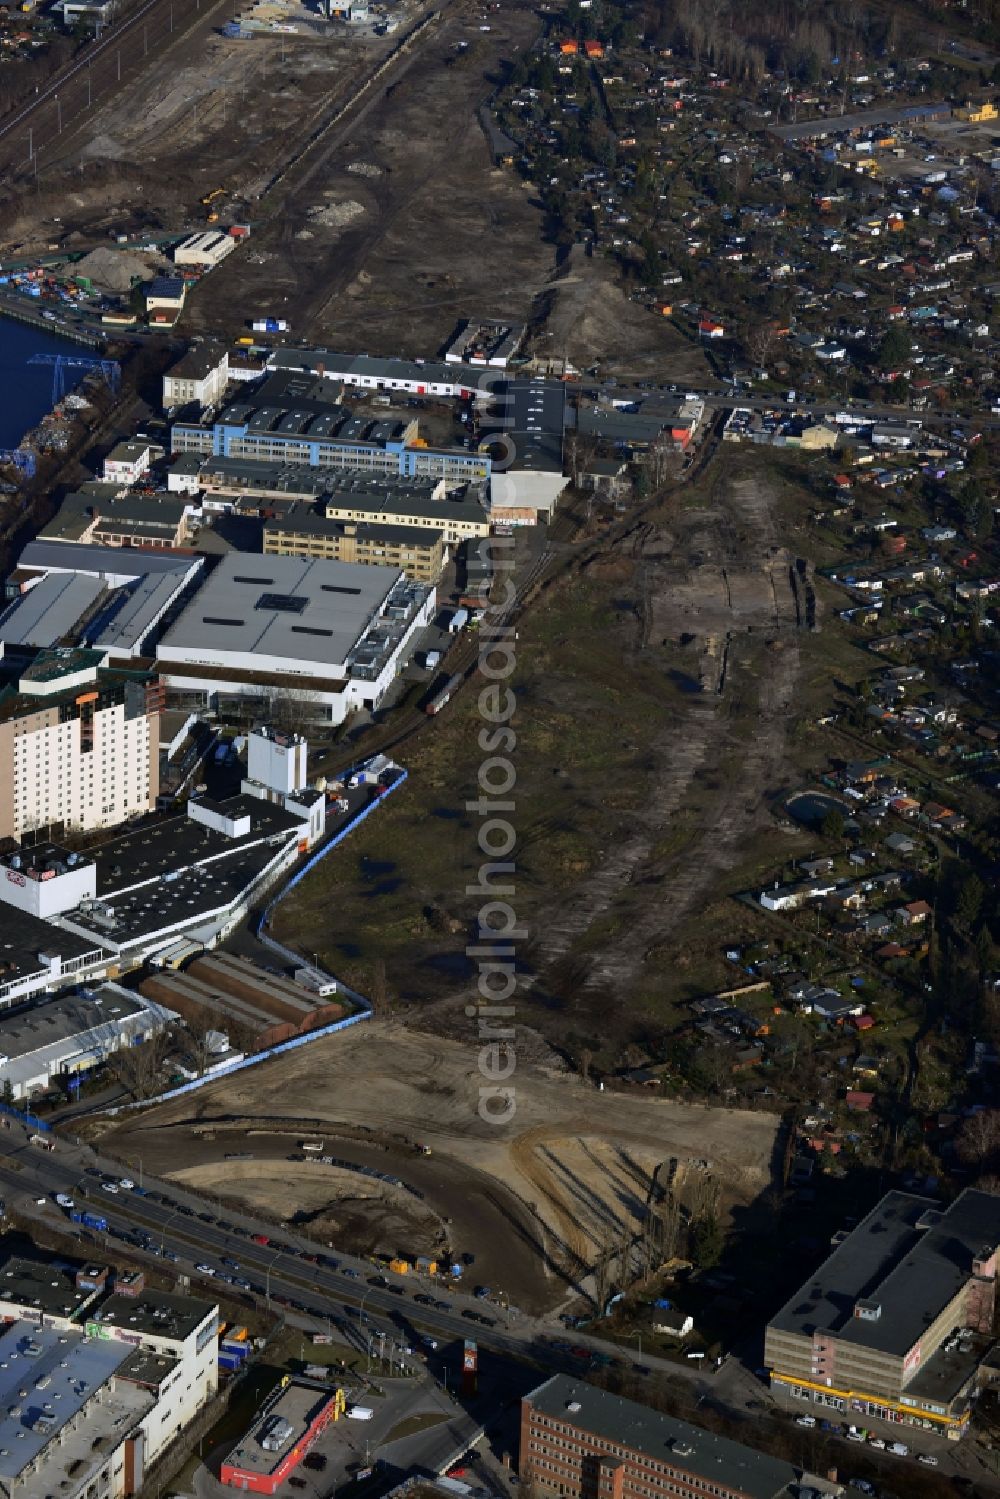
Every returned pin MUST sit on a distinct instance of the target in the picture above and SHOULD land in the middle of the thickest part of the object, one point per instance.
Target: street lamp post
(166, 1225)
(267, 1281)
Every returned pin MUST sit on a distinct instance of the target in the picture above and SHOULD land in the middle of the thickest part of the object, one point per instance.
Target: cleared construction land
(370, 230)
(658, 683)
(534, 1200)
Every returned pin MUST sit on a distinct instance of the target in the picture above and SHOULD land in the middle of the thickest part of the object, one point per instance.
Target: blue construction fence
(365, 1011)
(23, 1116)
(327, 848)
(229, 1068)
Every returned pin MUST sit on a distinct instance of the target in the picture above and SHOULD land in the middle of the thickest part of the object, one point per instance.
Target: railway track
(88, 78)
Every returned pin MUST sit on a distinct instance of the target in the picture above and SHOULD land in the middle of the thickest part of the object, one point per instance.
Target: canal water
(26, 389)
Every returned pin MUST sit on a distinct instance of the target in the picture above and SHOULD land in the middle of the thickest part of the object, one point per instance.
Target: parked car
(805, 1420)
(928, 1459)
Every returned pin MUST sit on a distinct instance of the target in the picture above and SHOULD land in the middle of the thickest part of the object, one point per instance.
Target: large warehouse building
(294, 418)
(72, 1034)
(331, 635)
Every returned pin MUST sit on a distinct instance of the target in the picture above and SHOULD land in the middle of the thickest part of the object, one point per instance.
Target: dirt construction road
(531, 1198)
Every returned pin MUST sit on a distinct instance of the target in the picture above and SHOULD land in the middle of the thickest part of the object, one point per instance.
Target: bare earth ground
(438, 233)
(339, 1207)
(657, 689)
(715, 598)
(529, 1199)
(386, 234)
(588, 319)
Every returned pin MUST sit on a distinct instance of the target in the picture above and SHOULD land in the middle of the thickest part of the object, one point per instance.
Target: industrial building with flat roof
(72, 1034)
(333, 634)
(65, 1412)
(374, 499)
(52, 612)
(95, 1388)
(187, 875)
(293, 419)
(36, 1291)
(280, 1437)
(460, 516)
(898, 1320)
(581, 1442)
(417, 377)
(531, 413)
(38, 958)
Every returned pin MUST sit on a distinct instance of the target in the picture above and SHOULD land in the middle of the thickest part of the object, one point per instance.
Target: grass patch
(413, 1425)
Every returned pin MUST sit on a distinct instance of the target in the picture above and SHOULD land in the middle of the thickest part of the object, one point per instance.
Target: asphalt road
(338, 1291)
(337, 1295)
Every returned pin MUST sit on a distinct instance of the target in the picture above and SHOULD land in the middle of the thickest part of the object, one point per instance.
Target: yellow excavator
(206, 202)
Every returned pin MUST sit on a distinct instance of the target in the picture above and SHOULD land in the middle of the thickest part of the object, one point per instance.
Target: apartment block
(79, 744)
(419, 553)
(897, 1323)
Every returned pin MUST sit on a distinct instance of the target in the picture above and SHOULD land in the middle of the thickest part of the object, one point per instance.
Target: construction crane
(108, 369)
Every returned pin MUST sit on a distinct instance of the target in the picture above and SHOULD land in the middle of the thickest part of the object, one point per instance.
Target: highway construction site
(414, 1169)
